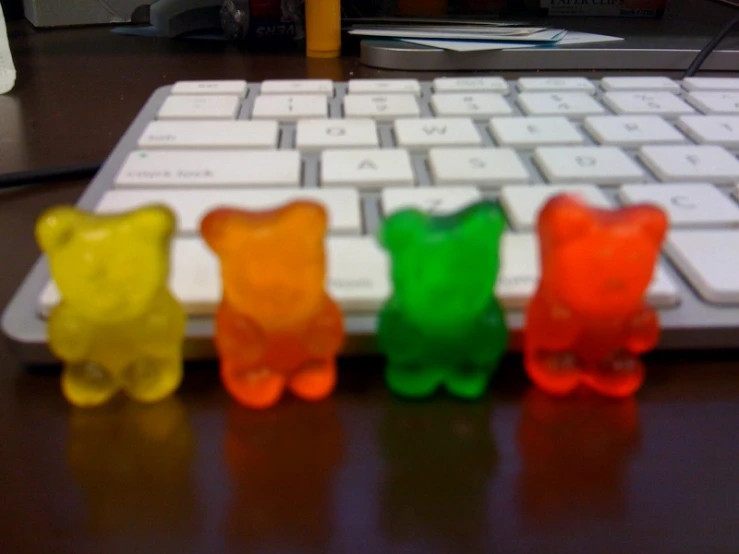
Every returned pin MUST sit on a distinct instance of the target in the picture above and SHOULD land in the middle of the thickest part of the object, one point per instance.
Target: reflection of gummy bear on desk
(276, 325)
(117, 325)
(588, 321)
(442, 324)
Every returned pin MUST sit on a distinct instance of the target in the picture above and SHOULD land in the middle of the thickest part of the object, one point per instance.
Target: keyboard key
(602, 165)
(470, 104)
(366, 169)
(199, 107)
(555, 84)
(235, 87)
(715, 102)
(290, 108)
(418, 134)
(629, 131)
(690, 163)
(470, 84)
(687, 205)
(323, 87)
(572, 104)
(382, 108)
(358, 273)
(384, 86)
(720, 130)
(709, 259)
(210, 134)
(190, 205)
(519, 275)
(213, 168)
(660, 103)
(476, 166)
(523, 204)
(711, 83)
(528, 132)
(431, 200)
(316, 134)
(640, 83)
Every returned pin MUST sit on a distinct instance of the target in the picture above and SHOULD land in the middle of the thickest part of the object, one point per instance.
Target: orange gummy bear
(588, 322)
(276, 325)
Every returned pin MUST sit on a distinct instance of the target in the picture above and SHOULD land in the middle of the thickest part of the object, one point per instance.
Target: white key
(629, 131)
(199, 107)
(659, 103)
(687, 205)
(711, 83)
(384, 86)
(381, 107)
(470, 84)
(418, 134)
(470, 104)
(555, 84)
(476, 166)
(603, 165)
(210, 134)
(640, 83)
(726, 103)
(523, 204)
(528, 132)
(366, 169)
(709, 259)
(357, 276)
(235, 87)
(316, 134)
(323, 87)
(722, 130)
(519, 275)
(212, 168)
(190, 205)
(431, 200)
(691, 163)
(290, 108)
(572, 104)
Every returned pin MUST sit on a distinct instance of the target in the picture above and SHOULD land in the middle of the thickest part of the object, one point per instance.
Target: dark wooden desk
(362, 472)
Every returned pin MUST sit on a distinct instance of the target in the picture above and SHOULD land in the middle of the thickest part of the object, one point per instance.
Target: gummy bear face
(107, 267)
(444, 268)
(272, 262)
(599, 262)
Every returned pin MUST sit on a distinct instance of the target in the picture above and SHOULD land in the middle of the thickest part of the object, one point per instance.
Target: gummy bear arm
(398, 339)
(550, 326)
(70, 336)
(326, 333)
(490, 339)
(164, 325)
(643, 331)
(238, 337)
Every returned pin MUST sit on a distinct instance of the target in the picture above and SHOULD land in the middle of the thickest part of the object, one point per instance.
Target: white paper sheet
(572, 37)
(547, 35)
(7, 69)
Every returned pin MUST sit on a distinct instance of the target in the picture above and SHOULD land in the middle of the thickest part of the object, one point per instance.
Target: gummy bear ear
(153, 221)
(563, 218)
(217, 226)
(483, 219)
(653, 221)
(56, 226)
(401, 229)
(306, 219)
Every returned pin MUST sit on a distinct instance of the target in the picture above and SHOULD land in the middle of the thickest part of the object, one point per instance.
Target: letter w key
(420, 134)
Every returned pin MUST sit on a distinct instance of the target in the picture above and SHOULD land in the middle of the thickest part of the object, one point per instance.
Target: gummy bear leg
(255, 387)
(619, 376)
(414, 381)
(554, 372)
(315, 381)
(467, 382)
(87, 384)
(151, 379)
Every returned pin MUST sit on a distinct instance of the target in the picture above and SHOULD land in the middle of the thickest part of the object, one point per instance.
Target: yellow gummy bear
(117, 326)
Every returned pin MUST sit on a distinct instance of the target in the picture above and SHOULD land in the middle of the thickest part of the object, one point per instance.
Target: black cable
(711, 46)
(41, 176)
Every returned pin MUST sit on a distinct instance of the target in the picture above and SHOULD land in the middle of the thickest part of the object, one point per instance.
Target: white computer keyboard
(368, 147)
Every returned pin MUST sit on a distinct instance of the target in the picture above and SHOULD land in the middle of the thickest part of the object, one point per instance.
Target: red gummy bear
(588, 321)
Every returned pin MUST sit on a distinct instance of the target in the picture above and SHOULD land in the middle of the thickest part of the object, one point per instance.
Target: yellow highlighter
(323, 28)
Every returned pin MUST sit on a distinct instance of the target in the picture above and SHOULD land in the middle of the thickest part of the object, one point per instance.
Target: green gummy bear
(442, 324)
